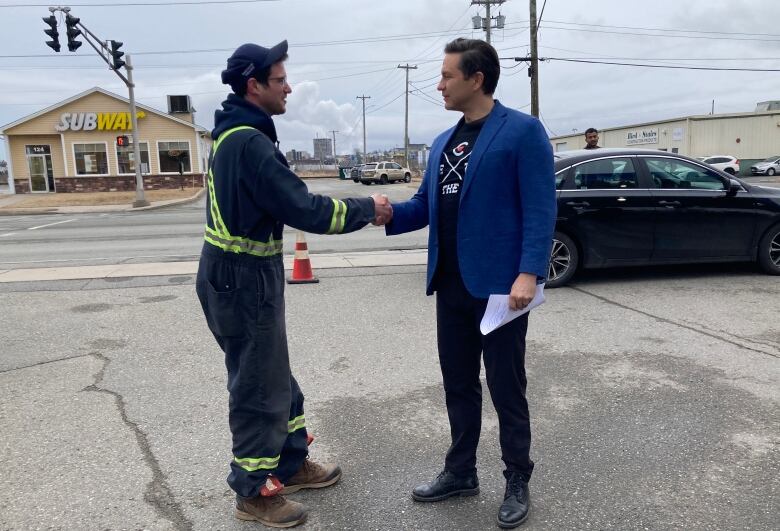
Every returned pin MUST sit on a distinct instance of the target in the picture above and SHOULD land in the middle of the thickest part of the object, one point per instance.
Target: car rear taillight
(736, 162)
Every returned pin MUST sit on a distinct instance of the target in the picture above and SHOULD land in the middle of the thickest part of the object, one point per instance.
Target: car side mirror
(734, 187)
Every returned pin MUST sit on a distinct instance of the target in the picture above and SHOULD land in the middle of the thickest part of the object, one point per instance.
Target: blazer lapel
(493, 124)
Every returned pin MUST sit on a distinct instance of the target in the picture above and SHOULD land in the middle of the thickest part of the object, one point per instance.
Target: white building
(749, 136)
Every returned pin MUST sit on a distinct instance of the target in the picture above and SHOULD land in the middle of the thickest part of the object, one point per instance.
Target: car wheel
(769, 251)
(564, 259)
(383, 179)
(407, 178)
(730, 171)
(770, 171)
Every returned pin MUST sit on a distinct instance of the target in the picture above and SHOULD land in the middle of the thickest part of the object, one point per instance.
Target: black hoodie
(257, 193)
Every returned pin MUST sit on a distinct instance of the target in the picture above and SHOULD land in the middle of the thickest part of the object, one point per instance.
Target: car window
(606, 174)
(715, 160)
(672, 173)
(559, 180)
(395, 166)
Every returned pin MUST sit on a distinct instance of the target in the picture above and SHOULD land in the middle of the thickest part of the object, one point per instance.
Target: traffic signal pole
(140, 201)
(115, 63)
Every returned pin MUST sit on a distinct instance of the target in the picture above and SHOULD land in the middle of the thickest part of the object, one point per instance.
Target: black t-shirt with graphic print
(452, 171)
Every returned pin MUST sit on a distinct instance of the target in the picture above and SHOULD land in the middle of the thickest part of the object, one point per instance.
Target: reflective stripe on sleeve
(339, 217)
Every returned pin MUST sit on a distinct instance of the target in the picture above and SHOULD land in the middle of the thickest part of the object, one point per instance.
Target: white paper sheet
(498, 313)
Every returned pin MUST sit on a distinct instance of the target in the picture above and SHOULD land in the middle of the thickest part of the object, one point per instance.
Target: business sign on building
(642, 136)
(101, 121)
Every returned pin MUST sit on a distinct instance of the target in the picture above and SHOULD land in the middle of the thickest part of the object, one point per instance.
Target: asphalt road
(654, 401)
(170, 234)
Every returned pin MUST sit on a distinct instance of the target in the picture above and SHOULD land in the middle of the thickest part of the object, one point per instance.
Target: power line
(132, 4)
(713, 68)
(665, 29)
(661, 35)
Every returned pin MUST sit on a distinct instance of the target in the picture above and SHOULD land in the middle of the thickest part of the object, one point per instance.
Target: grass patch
(98, 198)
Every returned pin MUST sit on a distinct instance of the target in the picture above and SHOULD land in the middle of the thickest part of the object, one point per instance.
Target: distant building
(294, 155)
(748, 136)
(323, 148)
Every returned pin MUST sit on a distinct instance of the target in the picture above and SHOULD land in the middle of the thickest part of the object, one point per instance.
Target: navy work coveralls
(252, 194)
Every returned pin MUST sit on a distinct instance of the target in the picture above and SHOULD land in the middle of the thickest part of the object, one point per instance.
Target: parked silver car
(384, 172)
(769, 166)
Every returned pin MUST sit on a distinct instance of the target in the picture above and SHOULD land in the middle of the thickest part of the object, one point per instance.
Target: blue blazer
(507, 207)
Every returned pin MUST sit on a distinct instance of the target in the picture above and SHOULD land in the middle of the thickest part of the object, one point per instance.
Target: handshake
(383, 210)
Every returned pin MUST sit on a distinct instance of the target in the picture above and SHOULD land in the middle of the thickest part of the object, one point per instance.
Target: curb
(99, 209)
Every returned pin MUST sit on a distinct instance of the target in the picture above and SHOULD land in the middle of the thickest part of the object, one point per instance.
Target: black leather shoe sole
(450, 494)
(511, 525)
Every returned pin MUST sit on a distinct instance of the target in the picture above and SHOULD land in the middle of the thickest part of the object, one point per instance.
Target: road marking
(7, 234)
(50, 224)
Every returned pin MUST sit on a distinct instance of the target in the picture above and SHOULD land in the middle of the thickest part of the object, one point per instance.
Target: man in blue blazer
(488, 195)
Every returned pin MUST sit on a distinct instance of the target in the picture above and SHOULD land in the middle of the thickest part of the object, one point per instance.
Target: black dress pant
(461, 348)
(243, 301)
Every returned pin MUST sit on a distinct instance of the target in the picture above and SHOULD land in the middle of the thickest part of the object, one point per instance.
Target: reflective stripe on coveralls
(219, 236)
(252, 464)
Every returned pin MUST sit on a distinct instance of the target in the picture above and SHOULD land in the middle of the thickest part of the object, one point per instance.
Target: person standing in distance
(488, 195)
(592, 138)
(252, 194)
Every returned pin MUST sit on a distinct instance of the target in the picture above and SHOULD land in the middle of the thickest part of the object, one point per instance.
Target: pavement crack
(158, 494)
(698, 328)
(44, 363)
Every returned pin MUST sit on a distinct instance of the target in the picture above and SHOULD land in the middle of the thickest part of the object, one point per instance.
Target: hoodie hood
(237, 111)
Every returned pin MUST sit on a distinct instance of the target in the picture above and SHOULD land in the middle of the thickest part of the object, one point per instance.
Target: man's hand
(523, 291)
(383, 210)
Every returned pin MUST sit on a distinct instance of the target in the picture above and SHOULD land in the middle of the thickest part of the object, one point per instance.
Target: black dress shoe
(517, 501)
(445, 485)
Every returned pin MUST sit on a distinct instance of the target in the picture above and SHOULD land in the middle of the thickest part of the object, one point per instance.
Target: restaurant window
(174, 157)
(91, 159)
(126, 154)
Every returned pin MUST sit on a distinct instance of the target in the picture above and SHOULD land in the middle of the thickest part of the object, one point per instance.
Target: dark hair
(477, 56)
(591, 130)
(260, 75)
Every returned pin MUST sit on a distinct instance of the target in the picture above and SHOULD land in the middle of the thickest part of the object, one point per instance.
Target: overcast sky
(340, 49)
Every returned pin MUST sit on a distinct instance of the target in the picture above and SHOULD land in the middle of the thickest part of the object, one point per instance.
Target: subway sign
(101, 121)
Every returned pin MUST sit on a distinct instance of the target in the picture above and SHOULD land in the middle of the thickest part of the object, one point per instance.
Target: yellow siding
(18, 154)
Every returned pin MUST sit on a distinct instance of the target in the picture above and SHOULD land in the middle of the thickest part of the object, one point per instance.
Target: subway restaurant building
(72, 147)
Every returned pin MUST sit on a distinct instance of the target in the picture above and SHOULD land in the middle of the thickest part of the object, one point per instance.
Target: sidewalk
(318, 261)
(13, 205)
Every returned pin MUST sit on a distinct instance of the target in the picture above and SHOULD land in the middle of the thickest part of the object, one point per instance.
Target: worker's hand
(523, 291)
(383, 210)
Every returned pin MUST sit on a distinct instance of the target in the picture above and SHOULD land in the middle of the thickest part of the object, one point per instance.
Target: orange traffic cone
(302, 273)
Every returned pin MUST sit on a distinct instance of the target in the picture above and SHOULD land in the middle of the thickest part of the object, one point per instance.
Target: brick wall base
(122, 183)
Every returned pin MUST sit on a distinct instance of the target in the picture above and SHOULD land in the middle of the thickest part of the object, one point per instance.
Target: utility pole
(406, 114)
(533, 68)
(364, 98)
(334, 146)
(487, 23)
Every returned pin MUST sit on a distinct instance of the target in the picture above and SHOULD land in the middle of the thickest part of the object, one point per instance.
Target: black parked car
(621, 207)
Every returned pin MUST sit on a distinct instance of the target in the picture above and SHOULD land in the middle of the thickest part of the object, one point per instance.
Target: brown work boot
(312, 476)
(273, 511)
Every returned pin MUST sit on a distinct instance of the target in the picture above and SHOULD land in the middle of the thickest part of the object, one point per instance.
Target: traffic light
(72, 32)
(116, 55)
(52, 32)
(122, 141)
